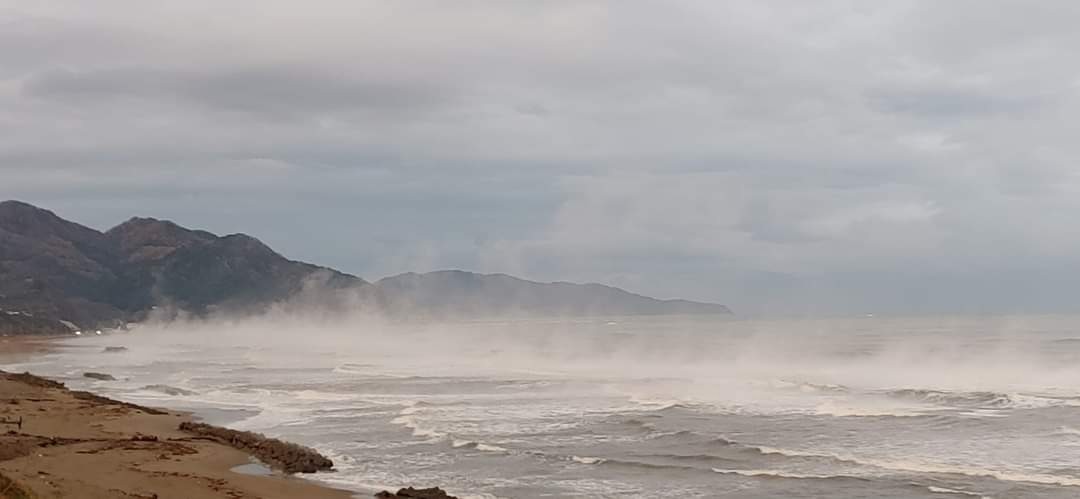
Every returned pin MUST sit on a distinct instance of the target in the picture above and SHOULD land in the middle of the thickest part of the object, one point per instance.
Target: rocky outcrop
(411, 493)
(99, 376)
(289, 457)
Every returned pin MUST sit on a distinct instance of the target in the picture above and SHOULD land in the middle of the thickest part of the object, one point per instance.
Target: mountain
(50, 267)
(56, 274)
(53, 269)
(466, 294)
(197, 271)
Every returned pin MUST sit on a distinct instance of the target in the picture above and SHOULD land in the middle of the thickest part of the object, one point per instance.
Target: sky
(775, 156)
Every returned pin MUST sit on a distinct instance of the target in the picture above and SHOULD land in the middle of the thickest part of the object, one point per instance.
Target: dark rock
(114, 349)
(287, 456)
(411, 493)
(99, 376)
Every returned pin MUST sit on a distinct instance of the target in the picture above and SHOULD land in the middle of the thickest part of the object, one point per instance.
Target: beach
(928, 407)
(71, 444)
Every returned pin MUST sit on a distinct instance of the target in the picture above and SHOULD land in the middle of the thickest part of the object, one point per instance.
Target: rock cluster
(289, 457)
(99, 376)
(411, 493)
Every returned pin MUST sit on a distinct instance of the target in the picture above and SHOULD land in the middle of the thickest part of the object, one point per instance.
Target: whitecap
(775, 473)
(943, 490)
(417, 431)
(587, 460)
(923, 467)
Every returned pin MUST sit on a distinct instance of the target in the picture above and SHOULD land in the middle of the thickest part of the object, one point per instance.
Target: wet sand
(19, 348)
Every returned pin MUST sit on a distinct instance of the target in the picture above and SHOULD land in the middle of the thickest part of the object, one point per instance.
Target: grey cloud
(276, 90)
(827, 156)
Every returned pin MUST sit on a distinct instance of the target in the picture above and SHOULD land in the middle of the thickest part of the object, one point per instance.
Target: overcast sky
(820, 157)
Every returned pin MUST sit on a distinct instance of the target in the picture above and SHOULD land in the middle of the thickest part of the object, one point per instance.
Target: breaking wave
(786, 474)
(978, 399)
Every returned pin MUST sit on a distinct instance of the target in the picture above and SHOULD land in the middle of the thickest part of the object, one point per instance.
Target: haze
(776, 157)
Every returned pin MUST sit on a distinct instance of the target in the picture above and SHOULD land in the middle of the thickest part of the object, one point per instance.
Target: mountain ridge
(52, 269)
(463, 293)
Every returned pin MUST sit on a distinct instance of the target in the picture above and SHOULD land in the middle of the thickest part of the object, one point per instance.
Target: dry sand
(73, 445)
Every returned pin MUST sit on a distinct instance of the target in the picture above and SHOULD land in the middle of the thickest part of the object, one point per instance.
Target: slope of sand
(73, 445)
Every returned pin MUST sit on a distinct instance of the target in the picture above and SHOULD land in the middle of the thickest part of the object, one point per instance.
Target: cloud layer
(776, 156)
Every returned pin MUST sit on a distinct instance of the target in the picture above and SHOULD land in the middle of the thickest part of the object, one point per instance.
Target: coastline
(77, 444)
(15, 349)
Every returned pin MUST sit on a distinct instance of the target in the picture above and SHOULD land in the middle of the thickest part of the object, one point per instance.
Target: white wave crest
(943, 490)
(924, 467)
(774, 473)
(587, 460)
(480, 446)
(411, 423)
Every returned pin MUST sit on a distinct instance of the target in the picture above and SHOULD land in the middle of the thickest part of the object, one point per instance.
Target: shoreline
(67, 443)
(72, 443)
(20, 348)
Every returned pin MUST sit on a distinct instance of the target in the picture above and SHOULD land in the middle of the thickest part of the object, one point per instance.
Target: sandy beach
(18, 348)
(73, 444)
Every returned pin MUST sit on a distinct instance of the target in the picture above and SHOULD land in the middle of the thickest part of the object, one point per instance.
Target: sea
(635, 407)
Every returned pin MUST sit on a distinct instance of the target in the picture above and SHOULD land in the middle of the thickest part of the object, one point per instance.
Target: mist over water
(631, 406)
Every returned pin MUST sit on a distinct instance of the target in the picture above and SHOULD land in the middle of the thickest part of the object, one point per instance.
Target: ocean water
(647, 407)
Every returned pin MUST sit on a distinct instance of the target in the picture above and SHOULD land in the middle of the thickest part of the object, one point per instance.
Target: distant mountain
(458, 293)
(58, 270)
(196, 270)
(56, 274)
